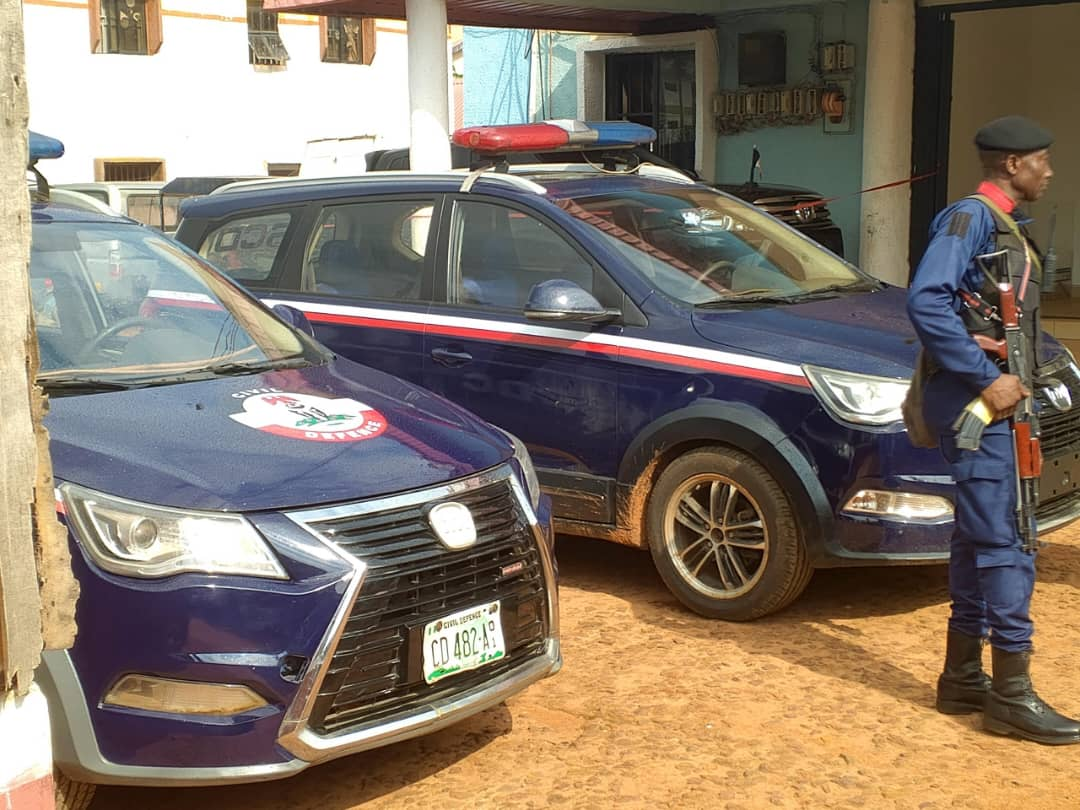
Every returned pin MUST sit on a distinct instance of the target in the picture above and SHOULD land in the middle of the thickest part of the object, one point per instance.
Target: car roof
(540, 179)
(76, 199)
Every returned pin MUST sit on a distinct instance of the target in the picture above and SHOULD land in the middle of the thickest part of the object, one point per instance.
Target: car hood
(757, 191)
(277, 440)
(868, 333)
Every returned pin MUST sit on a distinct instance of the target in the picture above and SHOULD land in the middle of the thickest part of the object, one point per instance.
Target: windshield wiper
(764, 297)
(831, 290)
(86, 385)
(230, 367)
(749, 297)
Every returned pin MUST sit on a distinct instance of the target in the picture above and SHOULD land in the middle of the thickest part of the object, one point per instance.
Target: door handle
(450, 358)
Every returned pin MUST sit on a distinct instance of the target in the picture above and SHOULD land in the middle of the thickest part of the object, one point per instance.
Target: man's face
(1031, 173)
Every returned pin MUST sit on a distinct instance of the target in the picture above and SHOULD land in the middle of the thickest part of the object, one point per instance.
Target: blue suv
(283, 556)
(690, 374)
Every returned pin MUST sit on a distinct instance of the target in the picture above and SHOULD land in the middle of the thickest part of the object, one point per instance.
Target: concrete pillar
(429, 80)
(886, 215)
(26, 781)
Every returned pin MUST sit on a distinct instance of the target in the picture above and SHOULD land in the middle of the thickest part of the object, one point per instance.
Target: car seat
(490, 273)
(340, 268)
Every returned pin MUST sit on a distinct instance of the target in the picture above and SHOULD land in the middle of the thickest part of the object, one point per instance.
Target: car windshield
(118, 306)
(710, 249)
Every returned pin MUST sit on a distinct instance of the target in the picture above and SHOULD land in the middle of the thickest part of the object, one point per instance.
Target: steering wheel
(97, 345)
(724, 269)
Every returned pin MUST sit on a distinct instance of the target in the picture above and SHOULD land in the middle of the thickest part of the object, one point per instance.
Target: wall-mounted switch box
(828, 58)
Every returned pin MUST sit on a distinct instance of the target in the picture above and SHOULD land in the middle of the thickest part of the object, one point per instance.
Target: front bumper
(207, 634)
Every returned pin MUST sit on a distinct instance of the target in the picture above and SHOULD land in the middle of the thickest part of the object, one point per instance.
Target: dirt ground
(828, 704)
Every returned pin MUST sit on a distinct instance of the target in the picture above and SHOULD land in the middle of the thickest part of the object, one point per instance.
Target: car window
(123, 302)
(703, 247)
(246, 248)
(499, 254)
(146, 208)
(373, 249)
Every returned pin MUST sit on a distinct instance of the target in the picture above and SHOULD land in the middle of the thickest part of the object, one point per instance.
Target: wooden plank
(20, 609)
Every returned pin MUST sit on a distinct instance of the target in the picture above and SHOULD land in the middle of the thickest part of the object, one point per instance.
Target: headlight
(524, 460)
(138, 540)
(859, 398)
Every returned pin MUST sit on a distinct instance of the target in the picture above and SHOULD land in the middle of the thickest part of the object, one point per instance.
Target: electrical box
(828, 58)
(836, 102)
(845, 56)
(837, 57)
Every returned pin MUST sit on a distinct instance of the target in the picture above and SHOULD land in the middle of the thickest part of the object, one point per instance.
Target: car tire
(69, 794)
(723, 536)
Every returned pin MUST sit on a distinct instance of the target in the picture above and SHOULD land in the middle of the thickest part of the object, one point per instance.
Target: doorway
(656, 89)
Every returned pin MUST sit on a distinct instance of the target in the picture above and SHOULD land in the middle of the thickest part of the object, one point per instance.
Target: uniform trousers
(990, 576)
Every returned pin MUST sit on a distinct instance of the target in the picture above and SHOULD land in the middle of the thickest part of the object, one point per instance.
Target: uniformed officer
(990, 576)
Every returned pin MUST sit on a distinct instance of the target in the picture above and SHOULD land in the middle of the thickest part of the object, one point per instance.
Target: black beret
(1013, 133)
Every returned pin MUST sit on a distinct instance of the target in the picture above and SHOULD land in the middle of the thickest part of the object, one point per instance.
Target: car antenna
(755, 165)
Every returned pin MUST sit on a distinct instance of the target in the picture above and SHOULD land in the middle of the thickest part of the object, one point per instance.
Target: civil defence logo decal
(309, 417)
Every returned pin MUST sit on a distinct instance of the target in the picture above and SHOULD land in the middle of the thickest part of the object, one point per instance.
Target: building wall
(827, 162)
(1036, 80)
(497, 75)
(197, 103)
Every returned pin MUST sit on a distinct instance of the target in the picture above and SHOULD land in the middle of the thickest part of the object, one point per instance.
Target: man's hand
(1003, 394)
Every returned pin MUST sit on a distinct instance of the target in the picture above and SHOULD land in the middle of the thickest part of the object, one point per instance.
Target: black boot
(963, 686)
(1013, 708)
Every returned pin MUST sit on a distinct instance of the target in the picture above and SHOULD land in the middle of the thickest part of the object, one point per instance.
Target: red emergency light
(552, 136)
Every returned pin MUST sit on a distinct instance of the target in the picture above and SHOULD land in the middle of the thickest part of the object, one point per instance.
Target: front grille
(798, 210)
(376, 670)
(1059, 489)
(1060, 431)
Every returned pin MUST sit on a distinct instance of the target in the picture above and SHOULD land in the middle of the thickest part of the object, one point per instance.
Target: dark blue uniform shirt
(958, 234)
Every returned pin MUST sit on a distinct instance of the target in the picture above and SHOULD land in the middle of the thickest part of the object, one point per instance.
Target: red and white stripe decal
(670, 354)
(178, 298)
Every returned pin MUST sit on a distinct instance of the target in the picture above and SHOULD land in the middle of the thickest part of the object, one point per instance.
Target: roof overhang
(635, 17)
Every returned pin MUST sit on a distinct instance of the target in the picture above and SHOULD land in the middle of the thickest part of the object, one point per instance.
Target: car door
(548, 383)
(360, 270)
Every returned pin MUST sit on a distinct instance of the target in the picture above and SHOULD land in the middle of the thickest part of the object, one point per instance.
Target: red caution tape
(827, 200)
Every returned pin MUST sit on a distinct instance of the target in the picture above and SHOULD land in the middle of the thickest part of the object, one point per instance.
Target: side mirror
(562, 300)
(294, 317)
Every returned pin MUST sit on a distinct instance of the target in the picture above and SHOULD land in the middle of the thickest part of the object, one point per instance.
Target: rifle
(969, 425)
(1049, 262)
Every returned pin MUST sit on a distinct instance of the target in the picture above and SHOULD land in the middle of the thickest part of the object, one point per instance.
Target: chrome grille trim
(296, 734)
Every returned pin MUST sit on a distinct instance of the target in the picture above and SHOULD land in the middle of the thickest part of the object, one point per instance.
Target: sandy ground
(828, 704)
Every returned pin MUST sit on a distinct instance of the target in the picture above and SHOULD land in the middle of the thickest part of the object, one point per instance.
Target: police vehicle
(283, 556)
(690, 374)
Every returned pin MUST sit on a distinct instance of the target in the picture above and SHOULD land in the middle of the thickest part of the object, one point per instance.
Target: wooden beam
(20, 607)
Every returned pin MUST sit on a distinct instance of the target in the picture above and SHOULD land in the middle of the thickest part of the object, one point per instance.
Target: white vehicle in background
(140, 200)
(77, 199)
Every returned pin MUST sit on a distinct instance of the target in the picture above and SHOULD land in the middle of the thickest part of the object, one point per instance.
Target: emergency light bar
(553, 136)
(42, 147)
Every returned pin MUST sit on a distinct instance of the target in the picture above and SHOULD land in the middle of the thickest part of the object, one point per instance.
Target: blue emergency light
(42, 147)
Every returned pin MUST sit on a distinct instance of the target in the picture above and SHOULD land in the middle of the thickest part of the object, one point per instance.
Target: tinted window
(369, 250)
(247, 247)
(499, 254)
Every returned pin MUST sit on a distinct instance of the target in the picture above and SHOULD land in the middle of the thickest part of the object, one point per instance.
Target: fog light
(153, 694)
(907, 506)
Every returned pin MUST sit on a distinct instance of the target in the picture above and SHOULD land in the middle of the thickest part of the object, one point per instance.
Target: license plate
(462, 641)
